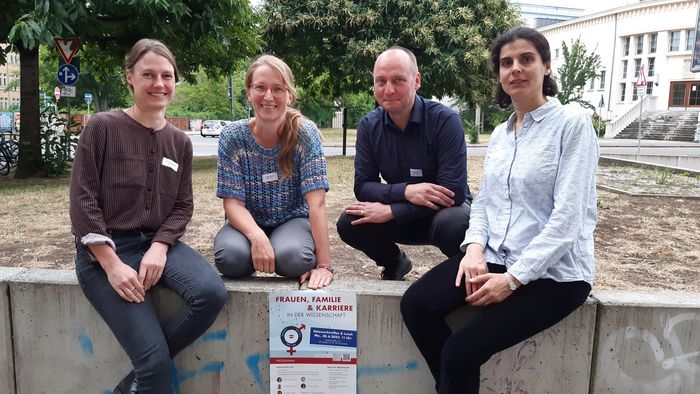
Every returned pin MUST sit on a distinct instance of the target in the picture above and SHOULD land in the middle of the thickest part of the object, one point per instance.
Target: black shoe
(399, 270)
(128, 385)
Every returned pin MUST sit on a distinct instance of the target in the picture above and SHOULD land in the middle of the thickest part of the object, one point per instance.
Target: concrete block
(647, 343)
(7, 360)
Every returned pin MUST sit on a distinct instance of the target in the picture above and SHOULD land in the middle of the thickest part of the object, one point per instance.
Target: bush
(59, 139)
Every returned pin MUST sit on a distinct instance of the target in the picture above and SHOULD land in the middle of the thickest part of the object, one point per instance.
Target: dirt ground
(641, 243)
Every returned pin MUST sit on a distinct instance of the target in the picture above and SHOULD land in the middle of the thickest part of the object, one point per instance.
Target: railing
(615, 126)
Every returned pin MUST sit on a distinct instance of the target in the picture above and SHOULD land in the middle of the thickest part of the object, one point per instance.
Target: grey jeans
(149, 344)
(291, 241)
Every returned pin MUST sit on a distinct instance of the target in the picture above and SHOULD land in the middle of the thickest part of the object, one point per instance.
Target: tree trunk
(30, 160)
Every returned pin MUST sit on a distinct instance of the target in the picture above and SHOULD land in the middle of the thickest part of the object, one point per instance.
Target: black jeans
(445, 229)
(455, 358)
(135, 325)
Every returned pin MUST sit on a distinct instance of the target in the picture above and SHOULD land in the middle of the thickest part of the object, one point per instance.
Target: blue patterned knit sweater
(250, 173)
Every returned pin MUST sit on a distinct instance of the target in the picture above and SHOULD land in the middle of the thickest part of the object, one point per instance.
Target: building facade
(536, 15)
(9, 86)
(656, 37)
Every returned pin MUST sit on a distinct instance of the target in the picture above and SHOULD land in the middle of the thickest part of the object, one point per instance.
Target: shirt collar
(539, 113)
(417, 113)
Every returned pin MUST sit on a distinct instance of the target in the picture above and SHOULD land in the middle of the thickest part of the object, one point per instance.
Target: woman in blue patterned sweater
(273, 182)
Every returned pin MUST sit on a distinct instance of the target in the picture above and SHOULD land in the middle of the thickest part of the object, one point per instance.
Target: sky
(590, 6)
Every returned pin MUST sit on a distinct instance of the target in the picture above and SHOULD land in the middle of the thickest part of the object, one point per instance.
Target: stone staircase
(664, 125)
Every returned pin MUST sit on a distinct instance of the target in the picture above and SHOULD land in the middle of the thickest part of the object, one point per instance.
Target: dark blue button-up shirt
(431, 149)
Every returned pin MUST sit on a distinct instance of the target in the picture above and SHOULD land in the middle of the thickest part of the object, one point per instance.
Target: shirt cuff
(472, 239)
(398, 192)
(96, 239)
(521, 273)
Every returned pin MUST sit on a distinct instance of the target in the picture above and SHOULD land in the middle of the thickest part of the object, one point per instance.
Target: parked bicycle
(9, 152)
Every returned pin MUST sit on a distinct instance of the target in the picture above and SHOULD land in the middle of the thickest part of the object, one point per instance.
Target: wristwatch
(511, 283)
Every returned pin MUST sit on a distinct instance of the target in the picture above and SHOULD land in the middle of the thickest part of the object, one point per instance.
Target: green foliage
(208, 98)
(342, 38)
(494, 115)
(664, 176)
(471, 130)
(598, 125)
(578, 68)
(216, 34)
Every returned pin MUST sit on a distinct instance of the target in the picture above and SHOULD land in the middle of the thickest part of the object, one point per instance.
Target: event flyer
(313, 342)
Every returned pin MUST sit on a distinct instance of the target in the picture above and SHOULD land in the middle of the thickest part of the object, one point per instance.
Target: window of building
(650, 87)
(602, 80)
(674, 41)
(689, 40)
(592, 84)
(624, 69)
(3, 79)
(626, 47)
(3, 102)
(640, 44)
(651, 61)
(637, 65)
(634, 93)
(652, 43)
(556, 53)
(623, 88)
(15, 104)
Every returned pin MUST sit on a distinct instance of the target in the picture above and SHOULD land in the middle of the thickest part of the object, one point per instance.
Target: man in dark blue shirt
(417, 148)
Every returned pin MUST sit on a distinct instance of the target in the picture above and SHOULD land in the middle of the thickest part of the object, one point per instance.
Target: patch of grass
(336, 135)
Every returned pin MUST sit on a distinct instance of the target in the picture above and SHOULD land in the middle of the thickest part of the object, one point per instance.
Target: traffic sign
(67, 74)
(88, 98)
(68, 91)
(68, 47)
(641, 78)
(57, 93)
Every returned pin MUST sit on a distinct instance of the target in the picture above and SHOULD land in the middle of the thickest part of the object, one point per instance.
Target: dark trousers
(454, 358)
(149, 345)
(444, 229)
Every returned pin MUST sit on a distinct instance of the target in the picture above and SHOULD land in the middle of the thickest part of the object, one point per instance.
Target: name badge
(416, 172)
(270, 177)
(170, 164)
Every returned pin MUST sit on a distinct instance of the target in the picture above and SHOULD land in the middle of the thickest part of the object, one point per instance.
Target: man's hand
(430, 195)
(152, 264)
(493, 288)
(369, 212)
(262, 254)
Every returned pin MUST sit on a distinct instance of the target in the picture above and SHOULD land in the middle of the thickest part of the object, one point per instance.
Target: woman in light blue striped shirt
(529, 247)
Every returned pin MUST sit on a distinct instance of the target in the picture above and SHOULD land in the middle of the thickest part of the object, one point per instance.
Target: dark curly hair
(549, 86)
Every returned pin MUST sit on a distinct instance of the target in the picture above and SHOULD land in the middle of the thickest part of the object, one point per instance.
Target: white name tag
(270, 177)
(416, 172)
(170, 164)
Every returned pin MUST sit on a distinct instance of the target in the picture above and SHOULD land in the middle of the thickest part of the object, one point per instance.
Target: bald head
(402, 54)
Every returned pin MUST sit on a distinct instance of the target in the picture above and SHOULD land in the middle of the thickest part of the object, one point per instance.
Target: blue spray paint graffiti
(85, 343)
(253, 363)
(178, 376)
(215, 336)
(374, 370)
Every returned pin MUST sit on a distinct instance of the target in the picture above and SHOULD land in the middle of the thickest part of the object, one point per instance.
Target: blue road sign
(88, 98)
(67, 74)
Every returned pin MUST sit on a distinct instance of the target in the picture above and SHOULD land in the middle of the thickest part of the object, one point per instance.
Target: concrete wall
(61, 344)
(691, 163)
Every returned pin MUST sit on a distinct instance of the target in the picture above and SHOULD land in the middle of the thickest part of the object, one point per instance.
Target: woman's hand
(472, 265)
(125, 281)
(262, 254)
(492, 288)
(318, 278)
(152, 264)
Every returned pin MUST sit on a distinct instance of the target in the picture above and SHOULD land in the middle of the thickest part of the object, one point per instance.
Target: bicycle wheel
(5, 160)
(13, 148)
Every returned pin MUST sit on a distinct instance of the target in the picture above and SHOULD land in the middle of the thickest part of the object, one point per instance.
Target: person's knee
(232, 260)
(293, 260)
(214, 296)
(344, 227)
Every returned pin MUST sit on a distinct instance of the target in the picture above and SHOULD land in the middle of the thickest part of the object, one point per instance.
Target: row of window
(651, 63)
(12, 58)
(674, 42)
(5, 103)
(601, 81)
(4, 79)
(623, 90)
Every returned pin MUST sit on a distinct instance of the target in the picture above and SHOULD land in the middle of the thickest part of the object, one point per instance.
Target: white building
(657, 35)
(536, 15)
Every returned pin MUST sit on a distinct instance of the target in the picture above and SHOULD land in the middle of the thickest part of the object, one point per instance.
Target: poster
(313, 342)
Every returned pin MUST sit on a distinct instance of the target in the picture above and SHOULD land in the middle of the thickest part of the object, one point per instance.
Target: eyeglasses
(261, 90)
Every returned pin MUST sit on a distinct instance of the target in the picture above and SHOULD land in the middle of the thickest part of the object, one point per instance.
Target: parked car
(212, 128)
